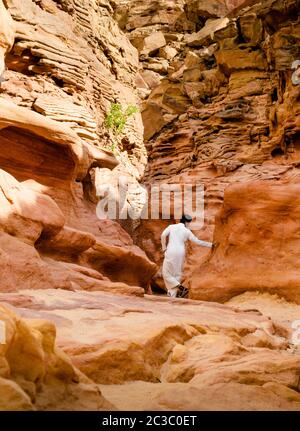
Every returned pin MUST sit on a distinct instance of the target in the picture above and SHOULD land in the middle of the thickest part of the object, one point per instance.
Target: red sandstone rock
(256, 240)
(209, 355)
(36, 375)
(222, 111)
(6, 36)
(152, 43)
(53, 137)
(239, 118)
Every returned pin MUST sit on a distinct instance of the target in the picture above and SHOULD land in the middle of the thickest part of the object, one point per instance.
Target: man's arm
(194, 239)
(163, 238)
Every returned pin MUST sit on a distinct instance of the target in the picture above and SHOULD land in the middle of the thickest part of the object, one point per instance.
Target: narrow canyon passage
(102, 103)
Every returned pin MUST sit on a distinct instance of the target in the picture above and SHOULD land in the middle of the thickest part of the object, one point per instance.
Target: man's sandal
(183, 292)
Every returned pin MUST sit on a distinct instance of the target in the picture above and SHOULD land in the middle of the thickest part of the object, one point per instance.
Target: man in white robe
(177, 235)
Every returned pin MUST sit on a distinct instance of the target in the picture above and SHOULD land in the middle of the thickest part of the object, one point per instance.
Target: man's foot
(183, 292)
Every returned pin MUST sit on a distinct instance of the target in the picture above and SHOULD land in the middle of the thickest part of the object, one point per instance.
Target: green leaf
(116, 118)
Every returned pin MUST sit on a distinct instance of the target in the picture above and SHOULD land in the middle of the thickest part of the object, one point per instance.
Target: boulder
(168, 52)
(251, 28)
(27, 214)
(228, 359)
(152, 43)
(206, 35)
(36, 375)
(230, 60)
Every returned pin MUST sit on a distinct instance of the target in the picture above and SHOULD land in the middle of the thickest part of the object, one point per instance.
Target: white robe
(175, 254)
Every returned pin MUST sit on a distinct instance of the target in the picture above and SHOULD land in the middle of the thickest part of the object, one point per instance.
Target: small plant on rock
(117, 117)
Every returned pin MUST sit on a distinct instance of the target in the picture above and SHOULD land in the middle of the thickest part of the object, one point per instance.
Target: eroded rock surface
(36, 375)
(58, 87)
(220, 107)
(257, 246)
(185, 354)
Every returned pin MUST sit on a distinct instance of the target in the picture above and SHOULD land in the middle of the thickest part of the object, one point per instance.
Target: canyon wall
(62, 64)
(219, 108)
(213, 82)
(66, 62)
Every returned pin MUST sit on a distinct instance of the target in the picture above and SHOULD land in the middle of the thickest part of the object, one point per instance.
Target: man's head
(186, 219)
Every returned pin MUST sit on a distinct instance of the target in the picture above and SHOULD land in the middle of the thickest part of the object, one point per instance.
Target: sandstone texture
(36, 375)
(224, 110)
(217, 89)
(256, 235)
(56, 91)
(186, 355)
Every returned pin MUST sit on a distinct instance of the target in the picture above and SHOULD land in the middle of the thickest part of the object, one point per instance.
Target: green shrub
(116, 118)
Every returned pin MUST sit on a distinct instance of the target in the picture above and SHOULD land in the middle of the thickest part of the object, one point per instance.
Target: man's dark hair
(186, 218)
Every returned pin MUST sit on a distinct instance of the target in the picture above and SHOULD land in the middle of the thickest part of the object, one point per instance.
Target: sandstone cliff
(220, 108)
(62, 75)
(218, 105)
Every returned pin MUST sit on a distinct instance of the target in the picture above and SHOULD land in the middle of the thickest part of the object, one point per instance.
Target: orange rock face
(226, 111)
(218, 96)
(52, 131)
(154, 353)
(257, 244)
(36, 375)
